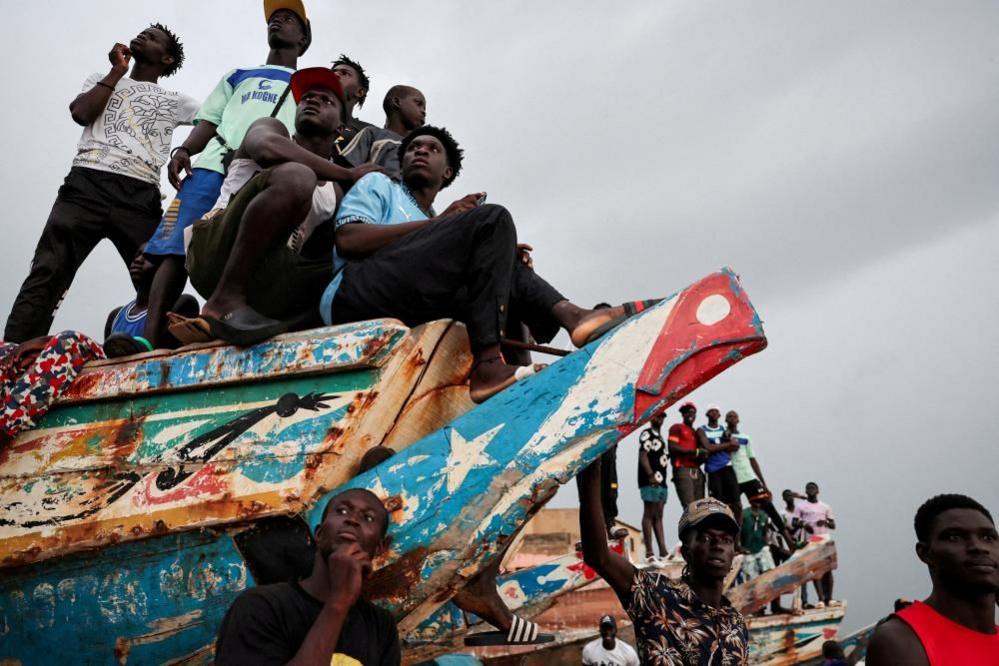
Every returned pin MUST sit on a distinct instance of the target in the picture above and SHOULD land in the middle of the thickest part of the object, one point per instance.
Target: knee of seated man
(296, 179)
(496, 215)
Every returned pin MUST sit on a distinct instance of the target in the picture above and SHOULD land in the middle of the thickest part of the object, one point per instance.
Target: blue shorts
(197, 194)
(654, 493)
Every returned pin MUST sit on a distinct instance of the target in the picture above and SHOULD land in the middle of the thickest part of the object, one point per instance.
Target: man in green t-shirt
(749, 475)
(756, 558)
(240, 98)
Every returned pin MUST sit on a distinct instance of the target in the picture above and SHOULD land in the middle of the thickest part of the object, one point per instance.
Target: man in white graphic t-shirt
(608, 650)
(112, 190)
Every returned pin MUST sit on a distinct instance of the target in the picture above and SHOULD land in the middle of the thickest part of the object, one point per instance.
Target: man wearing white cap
(722, 482)
(685, 621)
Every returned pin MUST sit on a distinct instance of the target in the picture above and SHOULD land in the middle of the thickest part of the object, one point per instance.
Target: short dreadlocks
(365, 82)
(174, 48)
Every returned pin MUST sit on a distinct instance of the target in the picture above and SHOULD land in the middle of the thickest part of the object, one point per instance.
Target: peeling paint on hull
(457, 496)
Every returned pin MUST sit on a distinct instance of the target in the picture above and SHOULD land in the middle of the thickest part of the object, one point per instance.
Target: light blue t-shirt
(374, 199)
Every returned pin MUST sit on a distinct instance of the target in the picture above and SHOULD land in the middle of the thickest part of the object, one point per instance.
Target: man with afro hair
(396, 257)
(112, 190)
(957, 541)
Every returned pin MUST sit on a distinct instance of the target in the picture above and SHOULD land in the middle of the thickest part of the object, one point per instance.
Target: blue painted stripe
(270, 73)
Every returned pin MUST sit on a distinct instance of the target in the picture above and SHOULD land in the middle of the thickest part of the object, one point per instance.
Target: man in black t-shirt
(321, 619)
(653, 464)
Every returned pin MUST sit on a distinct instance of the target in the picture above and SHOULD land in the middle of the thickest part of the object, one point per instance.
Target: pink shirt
(811, 513)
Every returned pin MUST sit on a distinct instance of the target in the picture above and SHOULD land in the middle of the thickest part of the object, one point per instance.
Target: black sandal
(118, 345)
(522, 632)
(244, 326)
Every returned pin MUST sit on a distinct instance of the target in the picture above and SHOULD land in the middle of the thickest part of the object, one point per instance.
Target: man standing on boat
(955, 625)
(816, 517)
(685, 455)
(749, 476)
(112, 191)
(688, 621)
(722, 483)
(322, 619)
(653, 466)
(395, 257)
(609, 650)
(241, 97)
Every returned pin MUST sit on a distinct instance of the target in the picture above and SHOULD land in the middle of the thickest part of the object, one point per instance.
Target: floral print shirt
(673, 627)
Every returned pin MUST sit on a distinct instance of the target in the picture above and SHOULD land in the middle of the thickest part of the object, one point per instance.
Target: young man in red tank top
(956, 623)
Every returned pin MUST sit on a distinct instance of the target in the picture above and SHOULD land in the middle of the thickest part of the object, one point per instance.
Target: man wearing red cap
(264, 256)
(685, 456)
(241, 97)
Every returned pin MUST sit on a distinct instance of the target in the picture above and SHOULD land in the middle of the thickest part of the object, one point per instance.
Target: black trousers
(463, 267)
(91, 205)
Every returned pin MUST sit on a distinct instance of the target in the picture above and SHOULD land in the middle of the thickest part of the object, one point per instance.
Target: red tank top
(948, 643)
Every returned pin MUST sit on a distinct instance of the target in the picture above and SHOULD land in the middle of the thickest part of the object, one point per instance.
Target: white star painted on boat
(467, 455)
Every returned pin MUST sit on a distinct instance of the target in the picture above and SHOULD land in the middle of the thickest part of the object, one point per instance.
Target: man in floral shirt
(683, 622)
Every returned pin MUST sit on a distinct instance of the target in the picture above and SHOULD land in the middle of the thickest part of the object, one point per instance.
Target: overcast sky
(842, 157)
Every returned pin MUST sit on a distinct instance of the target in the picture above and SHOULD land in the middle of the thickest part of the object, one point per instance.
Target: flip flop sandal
(118, 345)
(631, 308)
(522, 632)
(244, 327)
(188, 330)
(522, 372)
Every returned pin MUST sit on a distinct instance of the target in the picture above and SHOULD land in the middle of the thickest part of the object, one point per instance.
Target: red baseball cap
(310, 78)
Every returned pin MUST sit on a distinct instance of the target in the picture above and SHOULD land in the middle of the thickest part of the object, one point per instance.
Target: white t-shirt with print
(595, 654)
(132, 135)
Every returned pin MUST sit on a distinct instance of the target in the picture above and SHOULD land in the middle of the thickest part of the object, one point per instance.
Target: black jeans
(608, 485)
(462, 267)
(91, 205)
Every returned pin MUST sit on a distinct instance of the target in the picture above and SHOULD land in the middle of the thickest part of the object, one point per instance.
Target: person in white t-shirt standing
(608, 650)
(816, 517)
(112, 190)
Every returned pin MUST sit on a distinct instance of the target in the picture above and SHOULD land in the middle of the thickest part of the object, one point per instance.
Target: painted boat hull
(471, 486)
(456, 496)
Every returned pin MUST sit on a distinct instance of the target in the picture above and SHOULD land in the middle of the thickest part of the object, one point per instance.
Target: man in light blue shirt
(395, 257)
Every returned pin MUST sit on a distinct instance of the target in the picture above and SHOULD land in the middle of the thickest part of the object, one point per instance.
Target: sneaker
(835, 602)
(820, 604)
(617, 533)
(652, 560)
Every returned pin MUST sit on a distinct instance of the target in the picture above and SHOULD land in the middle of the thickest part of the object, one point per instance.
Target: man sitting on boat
(321, 619)
(405, 110)
(396, 257)
(125, 325)
(957, 540)
(676, 622)
(262, 257)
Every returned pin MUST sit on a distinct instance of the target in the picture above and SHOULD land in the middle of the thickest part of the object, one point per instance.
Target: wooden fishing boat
(164, 485)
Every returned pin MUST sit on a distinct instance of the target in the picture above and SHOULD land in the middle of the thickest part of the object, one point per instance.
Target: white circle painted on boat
(713, 309)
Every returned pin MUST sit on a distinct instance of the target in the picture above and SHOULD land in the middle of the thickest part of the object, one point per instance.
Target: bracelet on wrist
(106, 85)
(180, 148)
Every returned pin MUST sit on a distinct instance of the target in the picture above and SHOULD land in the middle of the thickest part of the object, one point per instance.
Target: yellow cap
(271, 6)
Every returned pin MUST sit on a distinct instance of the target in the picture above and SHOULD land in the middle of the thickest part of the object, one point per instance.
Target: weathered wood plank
(808, 563)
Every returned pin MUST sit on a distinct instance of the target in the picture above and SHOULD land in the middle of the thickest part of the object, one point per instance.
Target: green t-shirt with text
(241, 97)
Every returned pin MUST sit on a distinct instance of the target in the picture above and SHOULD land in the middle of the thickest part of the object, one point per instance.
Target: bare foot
(492, 375)
(481, 597)
(590, 322)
